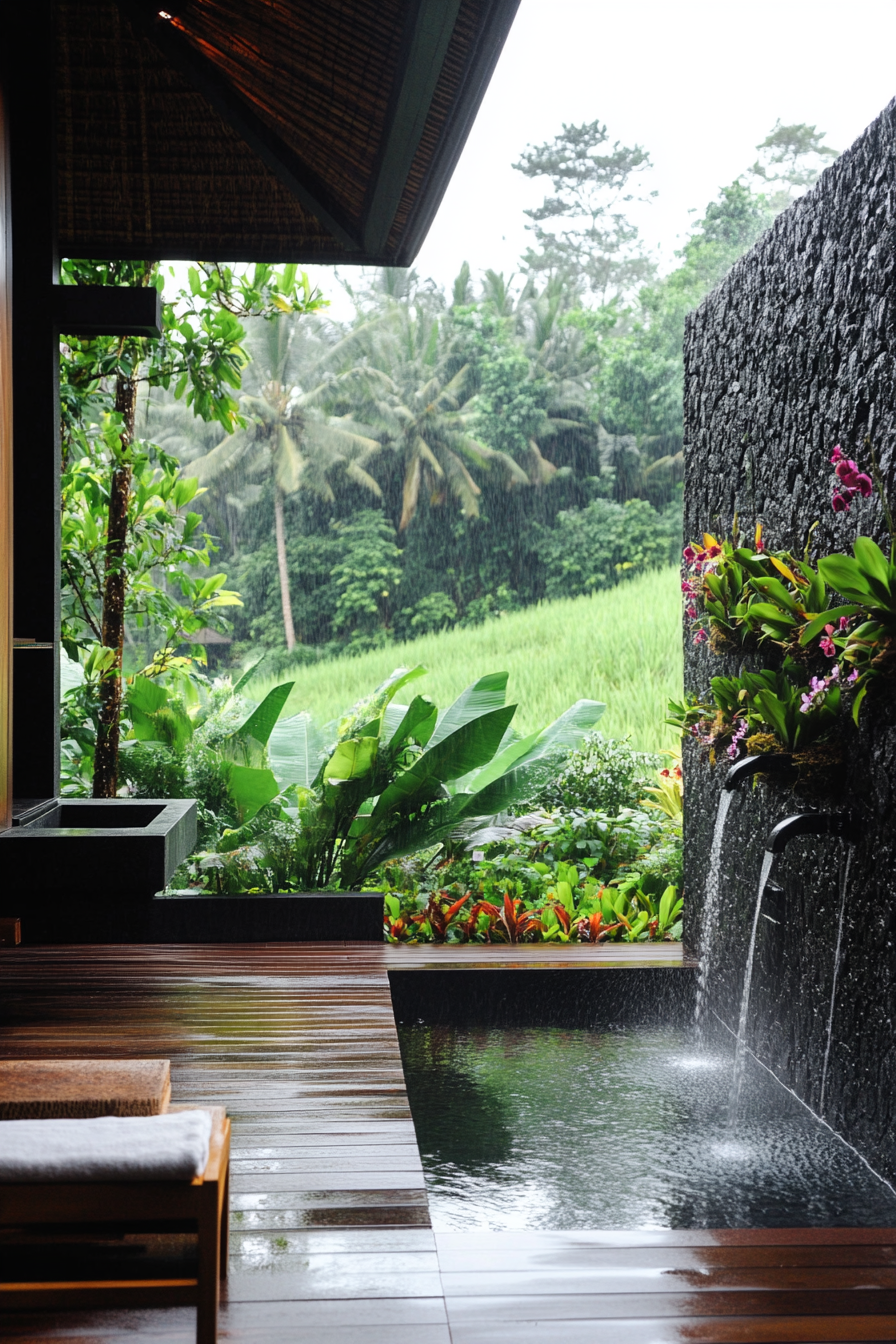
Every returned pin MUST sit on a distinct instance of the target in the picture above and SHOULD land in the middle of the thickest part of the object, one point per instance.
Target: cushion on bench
(40, 1089)
(171, 1147)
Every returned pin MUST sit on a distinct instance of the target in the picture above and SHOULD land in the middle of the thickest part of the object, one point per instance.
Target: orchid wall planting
(802, 615)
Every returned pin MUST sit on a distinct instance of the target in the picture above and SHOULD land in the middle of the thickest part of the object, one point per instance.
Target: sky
(698, 83)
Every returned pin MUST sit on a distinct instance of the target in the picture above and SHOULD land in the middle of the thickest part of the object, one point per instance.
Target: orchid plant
(844, 607)
(778, 708)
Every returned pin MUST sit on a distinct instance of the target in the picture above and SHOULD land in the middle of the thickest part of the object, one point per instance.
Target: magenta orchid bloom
(700, 637)
(850, 481)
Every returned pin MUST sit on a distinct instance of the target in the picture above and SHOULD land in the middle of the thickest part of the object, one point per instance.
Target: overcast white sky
(697, 82)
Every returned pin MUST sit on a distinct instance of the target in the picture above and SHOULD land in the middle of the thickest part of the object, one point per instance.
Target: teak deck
(331, 1242)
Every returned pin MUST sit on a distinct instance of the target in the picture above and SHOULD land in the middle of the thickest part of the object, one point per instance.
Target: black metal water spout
(842, 824)
(774, 763)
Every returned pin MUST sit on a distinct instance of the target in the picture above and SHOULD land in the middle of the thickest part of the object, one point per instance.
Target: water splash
(844, 882)
(737, 1080)
(711, 910)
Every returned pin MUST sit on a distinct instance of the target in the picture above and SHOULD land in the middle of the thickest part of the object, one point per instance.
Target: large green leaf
(146, 695)
(352, 759)
(488, 693)
(400, 677)
(417, 724)
(154, 718)
(294, 748)
(260, 722)
(515, 773)
(470, 746)
(248, 674)
(251, 789)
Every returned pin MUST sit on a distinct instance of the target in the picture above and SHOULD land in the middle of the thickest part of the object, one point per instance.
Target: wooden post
(30, 94)
(5, 476)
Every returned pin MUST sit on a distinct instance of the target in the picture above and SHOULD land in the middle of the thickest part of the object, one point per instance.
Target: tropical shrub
(603, 773)
(398, 779)
(593, 548)
(584, 876)
(557, 903)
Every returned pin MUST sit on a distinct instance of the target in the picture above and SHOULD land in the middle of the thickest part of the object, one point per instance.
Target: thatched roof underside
(265, 129)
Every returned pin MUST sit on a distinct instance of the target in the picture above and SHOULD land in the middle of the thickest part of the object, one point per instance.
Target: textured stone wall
(794, 352)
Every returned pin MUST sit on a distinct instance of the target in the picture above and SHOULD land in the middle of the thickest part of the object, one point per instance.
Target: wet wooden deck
(331, 1239)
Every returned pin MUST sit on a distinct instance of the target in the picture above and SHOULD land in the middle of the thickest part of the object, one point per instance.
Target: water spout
(846, 826)
(740, 1053)
(842, 824)
(844, 886)
(710, 910)
(774, 763)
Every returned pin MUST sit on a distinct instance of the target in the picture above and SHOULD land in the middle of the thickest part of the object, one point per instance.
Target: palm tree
(289, 437)
(409, 386)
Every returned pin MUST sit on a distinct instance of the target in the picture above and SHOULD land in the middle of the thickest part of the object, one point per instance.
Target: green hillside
(622, 646)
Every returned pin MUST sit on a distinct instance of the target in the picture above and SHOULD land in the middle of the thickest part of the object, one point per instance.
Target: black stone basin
(115, 851)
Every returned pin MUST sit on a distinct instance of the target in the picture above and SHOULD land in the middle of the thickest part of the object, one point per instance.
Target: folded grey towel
(169, 1147)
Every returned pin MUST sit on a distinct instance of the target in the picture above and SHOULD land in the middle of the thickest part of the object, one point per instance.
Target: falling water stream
(737, 1080)
(711, 909)
(844, 882)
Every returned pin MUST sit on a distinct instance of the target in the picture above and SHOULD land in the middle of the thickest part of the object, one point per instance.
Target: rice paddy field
(621, 646)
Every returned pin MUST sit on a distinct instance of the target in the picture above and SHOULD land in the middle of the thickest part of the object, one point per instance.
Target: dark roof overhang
(265, 130)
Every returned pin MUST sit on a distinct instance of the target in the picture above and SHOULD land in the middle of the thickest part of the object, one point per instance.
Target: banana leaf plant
(404, 777)
(159, 716)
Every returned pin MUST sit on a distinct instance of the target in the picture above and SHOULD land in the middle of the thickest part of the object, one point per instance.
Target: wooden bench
(202, 1203)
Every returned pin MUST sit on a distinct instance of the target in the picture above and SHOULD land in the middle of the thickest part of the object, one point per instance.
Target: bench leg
(209, 1263)
(224, 1217)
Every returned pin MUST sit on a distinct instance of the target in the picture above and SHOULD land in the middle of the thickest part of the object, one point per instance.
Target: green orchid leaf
(774, 714)
(779, 594)
(831, 617)
(873, 561)
(846, 576)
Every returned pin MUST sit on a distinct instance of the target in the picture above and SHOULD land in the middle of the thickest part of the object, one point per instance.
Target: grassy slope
(622, 646)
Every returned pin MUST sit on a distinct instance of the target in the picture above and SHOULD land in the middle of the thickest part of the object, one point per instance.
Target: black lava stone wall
(793, 353)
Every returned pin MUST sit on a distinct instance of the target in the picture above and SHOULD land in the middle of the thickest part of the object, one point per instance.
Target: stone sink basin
(111, 850)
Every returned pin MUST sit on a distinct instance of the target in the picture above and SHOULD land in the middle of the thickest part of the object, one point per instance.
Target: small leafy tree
(367, 577)
(127, 527)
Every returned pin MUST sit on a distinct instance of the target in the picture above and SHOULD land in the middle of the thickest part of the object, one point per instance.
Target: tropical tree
(581, 231)
(125, 506)
(289, 437)
(415, 389)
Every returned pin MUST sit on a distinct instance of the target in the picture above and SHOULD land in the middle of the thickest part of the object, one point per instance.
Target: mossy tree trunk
(105, 764)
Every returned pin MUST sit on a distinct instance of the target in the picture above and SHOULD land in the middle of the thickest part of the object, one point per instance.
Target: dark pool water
(548, 1128)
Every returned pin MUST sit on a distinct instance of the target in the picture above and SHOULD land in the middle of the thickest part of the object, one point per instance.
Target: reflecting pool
(551, 1128)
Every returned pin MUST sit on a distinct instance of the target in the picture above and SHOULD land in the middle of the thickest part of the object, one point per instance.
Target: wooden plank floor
(331, 1241)
(331, 1236)
(732, 1287)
